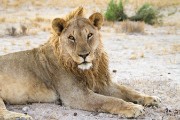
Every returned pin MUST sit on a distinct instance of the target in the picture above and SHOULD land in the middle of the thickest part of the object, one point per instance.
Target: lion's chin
(85, 66)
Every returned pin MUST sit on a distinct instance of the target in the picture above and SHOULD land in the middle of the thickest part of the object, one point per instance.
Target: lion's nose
(84, 55)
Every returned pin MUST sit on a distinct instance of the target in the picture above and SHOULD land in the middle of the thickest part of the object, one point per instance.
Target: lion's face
(80, 38)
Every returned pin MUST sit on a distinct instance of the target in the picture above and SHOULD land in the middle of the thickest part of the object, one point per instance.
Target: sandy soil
(148, 62)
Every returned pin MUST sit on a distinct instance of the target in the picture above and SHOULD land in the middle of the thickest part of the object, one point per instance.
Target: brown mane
(78, 12)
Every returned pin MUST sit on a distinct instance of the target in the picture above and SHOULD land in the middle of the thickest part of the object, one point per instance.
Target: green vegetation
(115, 12)
(146, 13)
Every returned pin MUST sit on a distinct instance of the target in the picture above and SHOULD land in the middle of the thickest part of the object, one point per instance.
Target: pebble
(25, 109)
(101, 114)
(75, 114)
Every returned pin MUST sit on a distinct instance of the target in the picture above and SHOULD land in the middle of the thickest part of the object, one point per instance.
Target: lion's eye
(71, 38)
(89, 36)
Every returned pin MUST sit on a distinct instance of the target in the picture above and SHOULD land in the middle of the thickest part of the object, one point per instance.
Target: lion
(71, 67)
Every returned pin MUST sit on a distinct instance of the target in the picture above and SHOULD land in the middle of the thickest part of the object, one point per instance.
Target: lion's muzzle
(85, 64)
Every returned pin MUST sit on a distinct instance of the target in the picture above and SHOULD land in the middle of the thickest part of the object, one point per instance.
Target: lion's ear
(58, 25)
(96, 19)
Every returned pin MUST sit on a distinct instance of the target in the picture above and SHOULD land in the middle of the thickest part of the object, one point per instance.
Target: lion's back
(15, 61)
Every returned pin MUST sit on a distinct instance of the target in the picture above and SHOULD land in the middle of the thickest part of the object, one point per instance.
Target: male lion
(73, 67)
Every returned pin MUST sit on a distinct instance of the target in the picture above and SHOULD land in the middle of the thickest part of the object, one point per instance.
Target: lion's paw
(16, 116)
(133, 111)
(152, 101)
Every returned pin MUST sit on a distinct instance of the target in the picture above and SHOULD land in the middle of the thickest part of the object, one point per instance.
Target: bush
(115, 12)
(146, 13)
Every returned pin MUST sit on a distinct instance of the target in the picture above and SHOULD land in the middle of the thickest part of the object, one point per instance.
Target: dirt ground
(149, 62)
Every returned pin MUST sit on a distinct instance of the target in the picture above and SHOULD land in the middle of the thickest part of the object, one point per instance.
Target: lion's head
(79, 37)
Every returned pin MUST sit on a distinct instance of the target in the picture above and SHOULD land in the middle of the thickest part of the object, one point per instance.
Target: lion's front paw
(152, 101)
(133, 111)
(8, 115)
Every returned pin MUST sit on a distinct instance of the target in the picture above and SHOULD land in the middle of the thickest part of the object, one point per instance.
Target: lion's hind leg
(8, 115)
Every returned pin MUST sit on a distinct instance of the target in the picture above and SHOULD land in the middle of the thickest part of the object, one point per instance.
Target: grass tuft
(23, 29)
(28, 43)
(157, 3)
(132, 27)
(12, 31)
(2, 19)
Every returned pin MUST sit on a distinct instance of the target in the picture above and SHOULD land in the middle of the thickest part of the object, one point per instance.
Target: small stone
(166, 110)
(25, 109)
(95, 113)
(101, 114)
(114, 71)
(75, 114)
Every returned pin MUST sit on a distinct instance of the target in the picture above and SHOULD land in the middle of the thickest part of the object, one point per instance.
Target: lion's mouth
(85, 65)
(85, 62)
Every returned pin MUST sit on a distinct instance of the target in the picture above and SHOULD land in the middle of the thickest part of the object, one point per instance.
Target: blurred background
(141, 37)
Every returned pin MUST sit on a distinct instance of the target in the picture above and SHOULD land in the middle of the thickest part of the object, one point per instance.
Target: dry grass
(2, 19)
(100, 3)
(136, 55)
(13, 43)
(75, 3)
(133, 56)
(12, 31)
(176, 48)
(141, 55)
(5, 50)
(132, 27)
(33, 32)
(35, 24)
(55, 3)
(108, 23)
(23, 30)
(37, 3)
(173, 30)
(172, 49)
(46, 28)
(9, 20)
(41, 19)
(172, 23)
(158, 3)
(17, 31)
(28, 43)
(172, 60)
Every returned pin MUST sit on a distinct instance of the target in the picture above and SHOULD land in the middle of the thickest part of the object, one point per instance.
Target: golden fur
(73, 67)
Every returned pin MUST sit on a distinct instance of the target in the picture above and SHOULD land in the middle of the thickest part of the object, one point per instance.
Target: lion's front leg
(90, 101)
(130, 95)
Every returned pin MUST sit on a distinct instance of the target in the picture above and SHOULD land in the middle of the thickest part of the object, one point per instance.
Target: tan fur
(73, 67)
